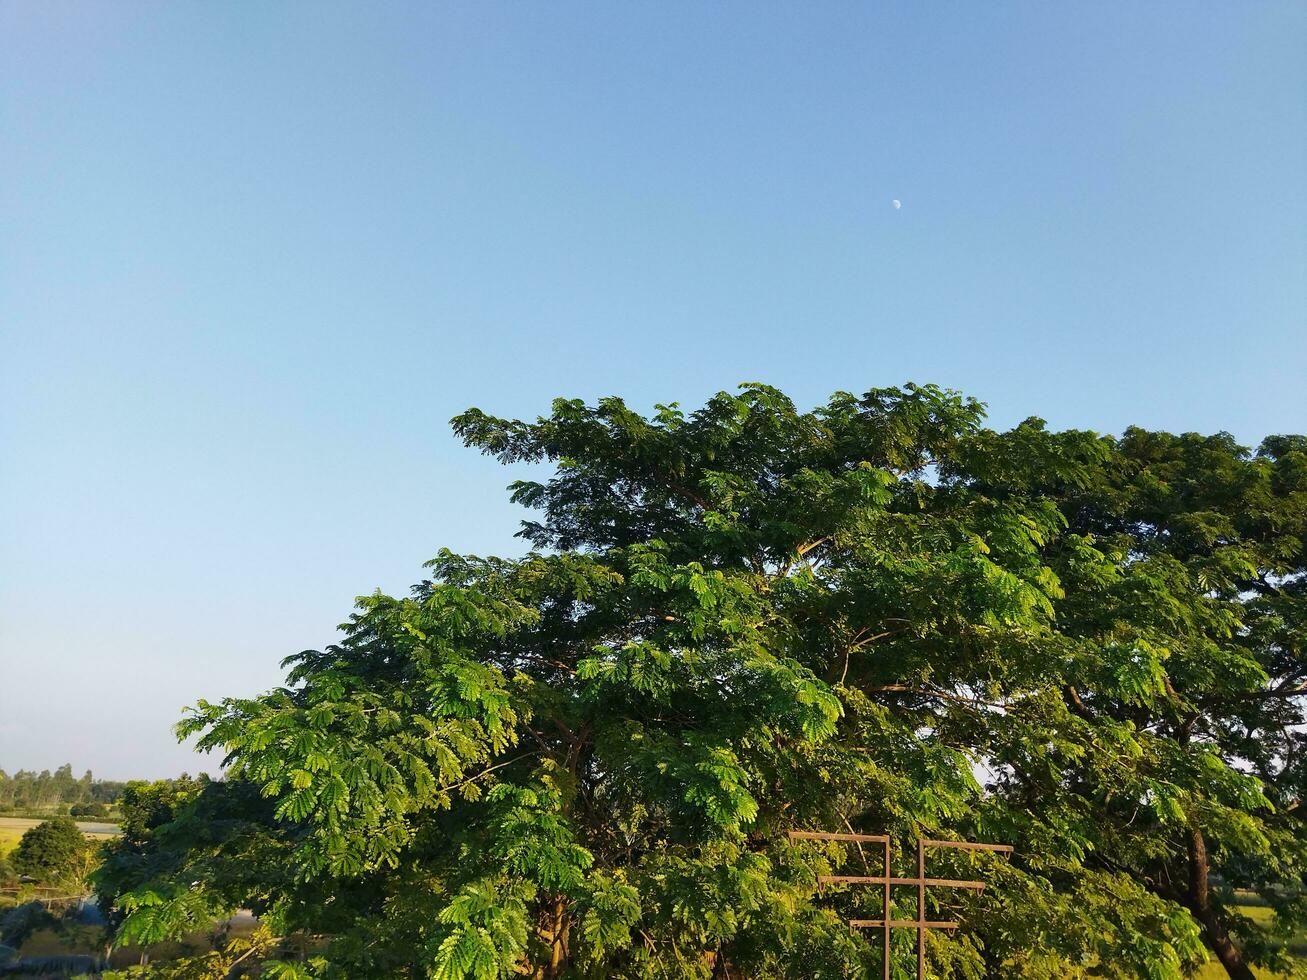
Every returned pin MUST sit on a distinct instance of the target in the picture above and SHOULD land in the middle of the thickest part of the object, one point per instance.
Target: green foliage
(52, 851)
(19, 923)
(221, 963)
(750, 619)
(485, 931)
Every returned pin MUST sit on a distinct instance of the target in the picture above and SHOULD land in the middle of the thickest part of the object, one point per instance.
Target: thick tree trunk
(1200, 904)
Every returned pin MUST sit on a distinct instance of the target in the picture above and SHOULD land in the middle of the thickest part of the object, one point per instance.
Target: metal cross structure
(887, 881)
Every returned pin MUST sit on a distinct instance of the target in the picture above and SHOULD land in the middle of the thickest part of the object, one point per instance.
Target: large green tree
(53, 851)
(880, 615)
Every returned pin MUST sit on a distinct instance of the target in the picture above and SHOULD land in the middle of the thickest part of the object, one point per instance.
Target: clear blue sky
(253, 256)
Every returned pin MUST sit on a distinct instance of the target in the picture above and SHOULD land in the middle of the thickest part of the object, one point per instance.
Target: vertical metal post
(921, 910)
(885, 916)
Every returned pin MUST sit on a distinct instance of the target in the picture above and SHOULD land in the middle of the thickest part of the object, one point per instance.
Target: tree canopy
(880, 616)
(53, 850)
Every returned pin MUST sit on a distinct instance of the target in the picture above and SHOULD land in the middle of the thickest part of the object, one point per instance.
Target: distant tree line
(27, 789)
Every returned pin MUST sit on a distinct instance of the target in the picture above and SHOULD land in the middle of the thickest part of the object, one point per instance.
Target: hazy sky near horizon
(253, 256)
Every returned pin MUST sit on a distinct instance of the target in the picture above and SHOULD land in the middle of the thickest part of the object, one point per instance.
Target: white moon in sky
(897, 204)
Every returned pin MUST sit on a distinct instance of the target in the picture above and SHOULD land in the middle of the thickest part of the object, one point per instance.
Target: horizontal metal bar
(880, 880)
(968, 846)
(900, 924)
(816, 835)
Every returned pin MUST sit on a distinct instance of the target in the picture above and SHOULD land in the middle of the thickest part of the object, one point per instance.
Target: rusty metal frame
(887, 881)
